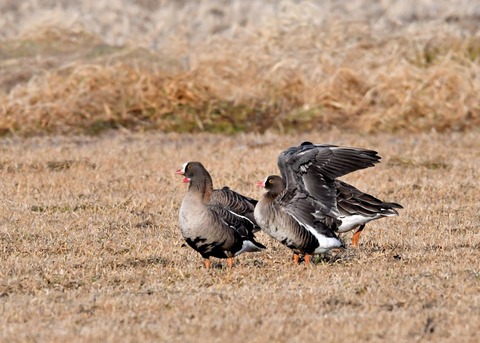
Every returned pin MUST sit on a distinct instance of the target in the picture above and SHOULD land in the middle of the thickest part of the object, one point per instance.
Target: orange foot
(356, 235)
(207, 263)
(296, 257)
(307, 259)
(230, 262)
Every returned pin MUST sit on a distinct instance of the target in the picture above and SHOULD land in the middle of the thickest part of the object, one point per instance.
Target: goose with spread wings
(301, 208)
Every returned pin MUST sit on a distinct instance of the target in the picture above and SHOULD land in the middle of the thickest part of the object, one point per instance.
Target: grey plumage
(302, 235)
(309, 192)
(235, 202)
(208, 221)
(310, 169)
(352, 202)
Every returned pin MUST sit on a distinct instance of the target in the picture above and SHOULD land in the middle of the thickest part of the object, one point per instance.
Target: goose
(308, 236)
(299, 208)
(208, 221)
(355, 207)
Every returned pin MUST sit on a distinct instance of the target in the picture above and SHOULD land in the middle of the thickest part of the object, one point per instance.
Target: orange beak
(261, 184)
(179, 172)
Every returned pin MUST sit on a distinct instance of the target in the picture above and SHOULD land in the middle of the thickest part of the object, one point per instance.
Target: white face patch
(184, 167)
(265, 181)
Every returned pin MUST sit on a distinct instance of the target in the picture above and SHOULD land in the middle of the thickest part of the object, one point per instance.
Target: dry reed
(242, 67)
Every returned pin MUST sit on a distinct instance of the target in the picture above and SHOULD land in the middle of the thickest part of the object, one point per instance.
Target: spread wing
(312, 168)
(331, 160)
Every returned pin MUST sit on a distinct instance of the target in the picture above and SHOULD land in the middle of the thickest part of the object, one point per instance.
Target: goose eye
(188, 166)
(270, 181)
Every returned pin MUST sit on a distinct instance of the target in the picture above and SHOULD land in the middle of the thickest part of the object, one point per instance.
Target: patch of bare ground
(90, 248)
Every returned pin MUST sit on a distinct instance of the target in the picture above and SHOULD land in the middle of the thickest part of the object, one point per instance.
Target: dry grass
(91, 250)
(248, 66)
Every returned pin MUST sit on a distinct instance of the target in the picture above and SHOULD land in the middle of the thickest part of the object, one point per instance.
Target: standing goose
(355, 207)
(308, 237)
(208, 222)
(300, 208)
(346, 203)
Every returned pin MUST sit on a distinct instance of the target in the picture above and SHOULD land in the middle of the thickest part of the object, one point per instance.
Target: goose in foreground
(299, 208)
(208, 221)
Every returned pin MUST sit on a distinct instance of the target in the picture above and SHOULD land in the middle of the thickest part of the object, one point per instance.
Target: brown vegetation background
(98, 103)
(232, 66)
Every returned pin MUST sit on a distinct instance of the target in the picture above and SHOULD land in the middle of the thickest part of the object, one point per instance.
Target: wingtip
(250, 245)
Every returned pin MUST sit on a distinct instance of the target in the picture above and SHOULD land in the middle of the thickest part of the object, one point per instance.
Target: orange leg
(356, 235)
(207, 263)
(230, 262)
(307, 259)
(296, 257)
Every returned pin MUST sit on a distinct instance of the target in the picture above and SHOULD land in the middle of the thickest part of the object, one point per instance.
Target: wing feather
(235, 202)
(242, 225)
(312, 168)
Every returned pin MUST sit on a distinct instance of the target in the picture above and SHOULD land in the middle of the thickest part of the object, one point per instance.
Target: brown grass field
(91, 249)
(101, 101)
